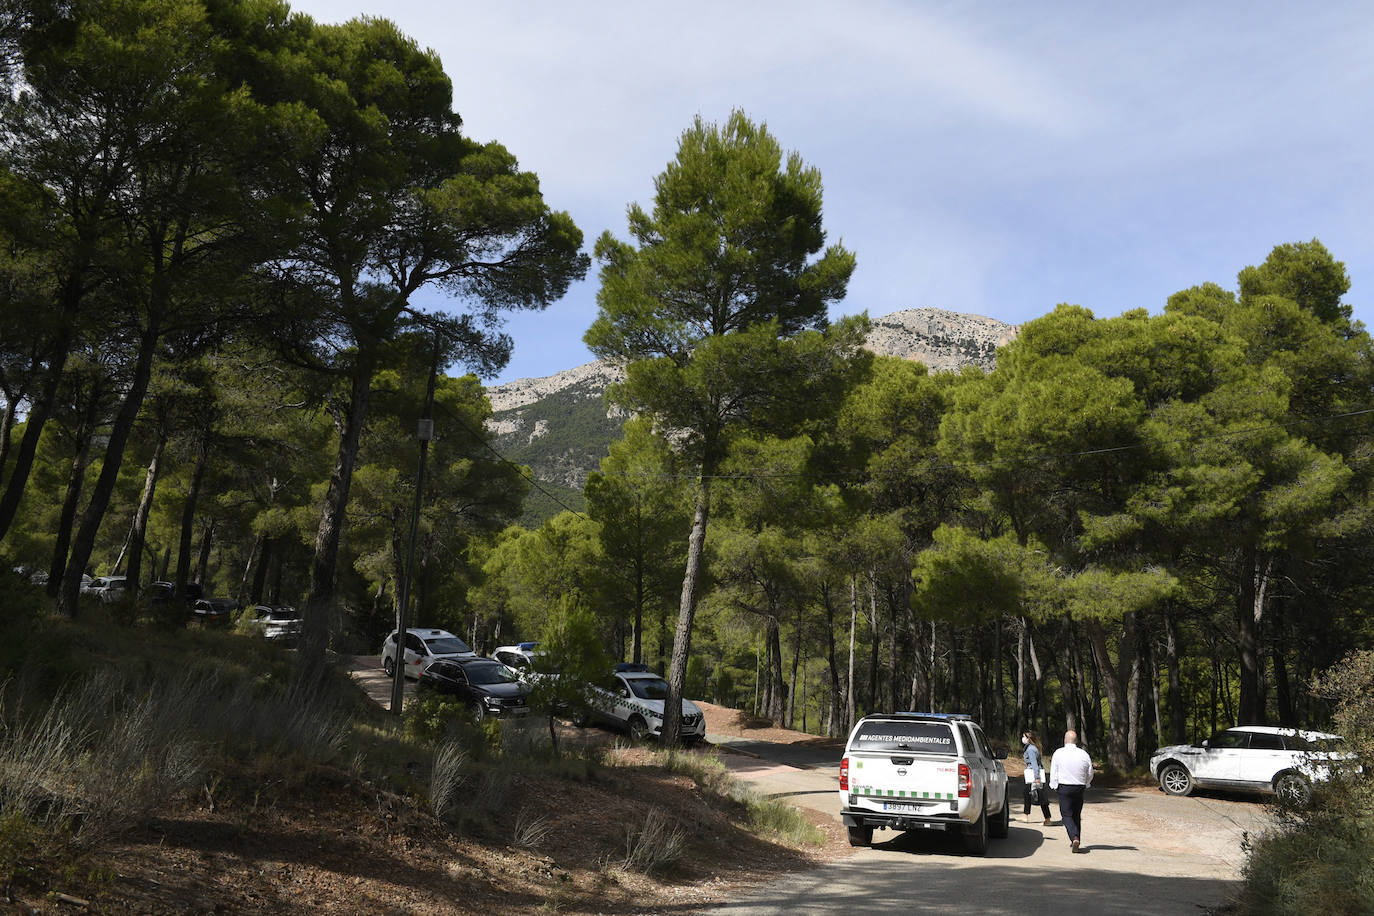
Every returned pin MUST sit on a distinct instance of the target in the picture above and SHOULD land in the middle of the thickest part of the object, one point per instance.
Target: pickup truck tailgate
(908, 780)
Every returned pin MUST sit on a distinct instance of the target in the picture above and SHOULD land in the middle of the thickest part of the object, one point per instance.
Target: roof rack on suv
(960, 716)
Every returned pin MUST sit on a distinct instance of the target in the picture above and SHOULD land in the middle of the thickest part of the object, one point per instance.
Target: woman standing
(1035, 775)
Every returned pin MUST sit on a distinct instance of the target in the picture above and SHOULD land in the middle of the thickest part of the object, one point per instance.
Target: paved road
(1147, 853)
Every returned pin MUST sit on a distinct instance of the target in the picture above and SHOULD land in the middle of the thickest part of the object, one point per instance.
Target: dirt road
(1147, 853)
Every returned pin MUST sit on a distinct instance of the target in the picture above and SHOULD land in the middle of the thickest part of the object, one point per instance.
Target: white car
(108, 589)
(277, 623)
(422, 647)
(523, 658)
(911, 770)
(632, 698)
(1250, 758)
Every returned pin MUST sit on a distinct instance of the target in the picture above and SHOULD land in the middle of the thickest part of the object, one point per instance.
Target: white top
(1071, 766)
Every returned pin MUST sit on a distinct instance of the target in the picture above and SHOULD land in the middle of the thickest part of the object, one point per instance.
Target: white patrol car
(908, 770)
(632, 699)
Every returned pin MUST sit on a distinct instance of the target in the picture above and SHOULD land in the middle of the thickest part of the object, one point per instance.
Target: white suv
(633, 698)
(908, 771)
(1250, 758)
(423, 647)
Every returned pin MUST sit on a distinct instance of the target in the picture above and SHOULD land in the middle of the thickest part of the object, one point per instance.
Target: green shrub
(1320, 859)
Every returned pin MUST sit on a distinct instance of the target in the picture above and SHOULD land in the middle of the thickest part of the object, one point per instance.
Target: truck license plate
(898, 806)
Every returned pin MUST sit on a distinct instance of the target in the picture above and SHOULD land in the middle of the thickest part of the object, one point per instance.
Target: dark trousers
(1044, 800)
(1071, 808)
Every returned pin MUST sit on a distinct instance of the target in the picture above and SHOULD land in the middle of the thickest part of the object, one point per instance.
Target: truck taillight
(844, 775)
(964, 780)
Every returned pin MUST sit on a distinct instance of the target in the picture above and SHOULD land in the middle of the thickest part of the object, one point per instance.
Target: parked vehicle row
(630, 698)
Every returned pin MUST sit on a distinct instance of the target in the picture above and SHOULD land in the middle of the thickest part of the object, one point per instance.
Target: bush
(1320, 859)
(655, 846)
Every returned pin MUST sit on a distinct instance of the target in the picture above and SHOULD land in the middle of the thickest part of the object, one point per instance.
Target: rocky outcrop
(560, 426)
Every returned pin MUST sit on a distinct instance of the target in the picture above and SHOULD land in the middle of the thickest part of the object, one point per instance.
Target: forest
(216, 216)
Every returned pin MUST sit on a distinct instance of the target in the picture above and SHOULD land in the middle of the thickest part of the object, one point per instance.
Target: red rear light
(844, 775)
(964, 780)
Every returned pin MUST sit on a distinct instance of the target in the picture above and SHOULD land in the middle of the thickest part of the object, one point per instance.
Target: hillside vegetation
(204, 771)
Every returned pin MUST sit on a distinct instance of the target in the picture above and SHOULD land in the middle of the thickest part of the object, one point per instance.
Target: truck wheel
(976, 835)
(1001, 824)
(639, 729)
(860, 836)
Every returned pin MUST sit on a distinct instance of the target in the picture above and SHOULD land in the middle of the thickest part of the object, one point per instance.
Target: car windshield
(896, 735)
(649, 688)
(447, 645)
(489, 673)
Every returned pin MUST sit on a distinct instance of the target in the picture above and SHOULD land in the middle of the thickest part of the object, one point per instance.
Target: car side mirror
(999, 753)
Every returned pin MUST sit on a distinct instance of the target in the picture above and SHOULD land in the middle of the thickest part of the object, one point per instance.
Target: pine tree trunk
(75, 482)
(850, 711)
(319, 605)
(1118, 732)
(188, 519)
(687, 608)
(138, 531)
(776, 707)
(1178, 726)
(123, 426)
(207, 540)
(40, 409)
(1250, 597)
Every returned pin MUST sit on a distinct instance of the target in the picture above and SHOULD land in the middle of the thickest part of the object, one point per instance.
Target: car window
(1261, 741)
(983, 747)
(447, 645)
(414, 644)
(649, 688)
(492, 672)
(1227, 739)
(970, 744)
(896, 735)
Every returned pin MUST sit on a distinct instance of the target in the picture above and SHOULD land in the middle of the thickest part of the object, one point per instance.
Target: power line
(519, 468)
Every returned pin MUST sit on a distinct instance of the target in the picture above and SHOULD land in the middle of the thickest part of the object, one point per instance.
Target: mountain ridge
(560, 426)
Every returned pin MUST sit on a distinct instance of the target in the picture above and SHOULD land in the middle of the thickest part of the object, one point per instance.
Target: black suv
(488, 687)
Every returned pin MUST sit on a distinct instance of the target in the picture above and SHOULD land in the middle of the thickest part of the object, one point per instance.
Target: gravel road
(1147, 853)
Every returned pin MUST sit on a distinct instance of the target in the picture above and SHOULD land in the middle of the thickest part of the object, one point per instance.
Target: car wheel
(389, 667)
(1293, 789)
(639, 729)
(1175, 779)
(581, 718)
(1001, 824)
(860, 836)
(479, 712)
(976, 835)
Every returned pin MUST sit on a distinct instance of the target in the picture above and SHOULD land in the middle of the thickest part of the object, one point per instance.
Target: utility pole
(424, 432)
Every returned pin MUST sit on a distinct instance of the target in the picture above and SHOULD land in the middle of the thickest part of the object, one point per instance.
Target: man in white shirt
(1071, 772)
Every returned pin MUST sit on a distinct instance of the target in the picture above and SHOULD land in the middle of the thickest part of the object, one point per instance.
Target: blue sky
(990, 158)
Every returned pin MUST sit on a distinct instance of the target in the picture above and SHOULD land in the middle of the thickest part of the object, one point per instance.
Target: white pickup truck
(908, 771)
(632, 699)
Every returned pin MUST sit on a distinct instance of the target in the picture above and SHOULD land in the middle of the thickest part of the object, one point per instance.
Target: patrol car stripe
(897, 793)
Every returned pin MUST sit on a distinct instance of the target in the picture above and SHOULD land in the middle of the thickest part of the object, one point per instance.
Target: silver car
(1250, 758)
